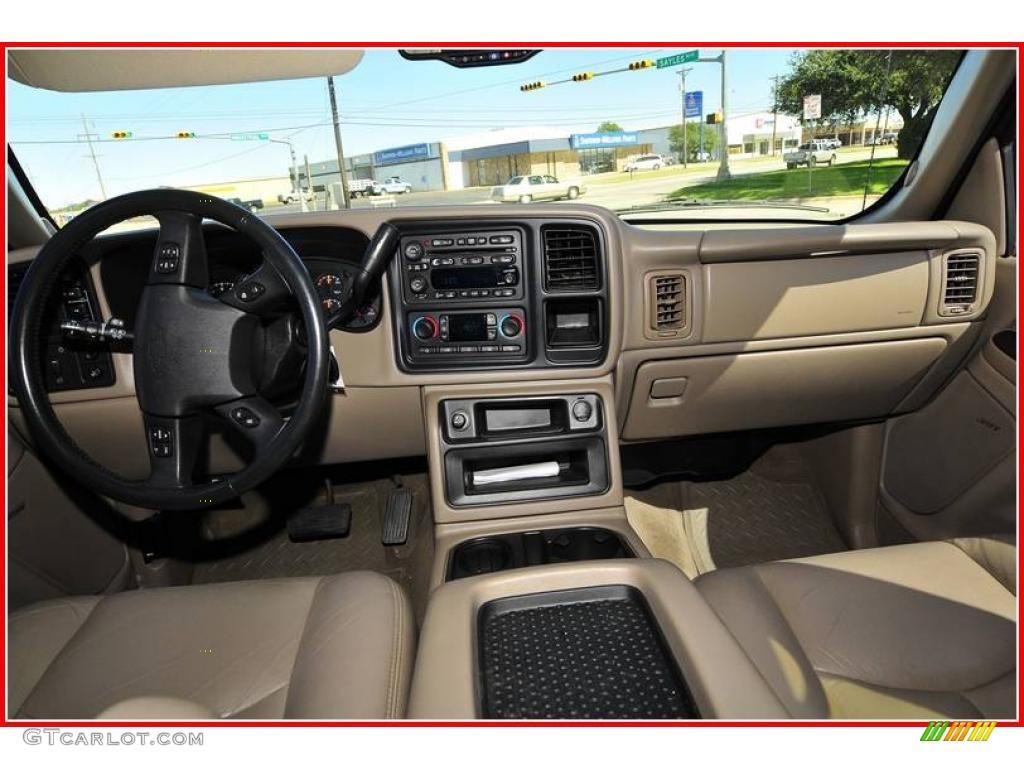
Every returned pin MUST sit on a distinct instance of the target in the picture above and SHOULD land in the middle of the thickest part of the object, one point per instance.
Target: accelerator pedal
(395, 525)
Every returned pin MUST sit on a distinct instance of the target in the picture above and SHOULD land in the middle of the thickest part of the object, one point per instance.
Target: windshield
(630, 130)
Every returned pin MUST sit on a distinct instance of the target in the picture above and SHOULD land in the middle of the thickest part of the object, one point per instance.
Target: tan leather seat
(922, 631)
(321, 647)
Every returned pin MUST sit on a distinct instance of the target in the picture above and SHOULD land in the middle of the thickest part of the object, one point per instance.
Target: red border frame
(94, 724)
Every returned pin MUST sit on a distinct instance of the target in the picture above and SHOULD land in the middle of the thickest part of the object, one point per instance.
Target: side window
(550, 180)
(536, 180)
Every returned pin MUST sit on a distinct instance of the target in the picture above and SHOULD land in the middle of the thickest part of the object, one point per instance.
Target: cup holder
(502, 552)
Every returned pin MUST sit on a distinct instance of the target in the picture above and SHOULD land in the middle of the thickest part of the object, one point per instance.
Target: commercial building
(423, 165)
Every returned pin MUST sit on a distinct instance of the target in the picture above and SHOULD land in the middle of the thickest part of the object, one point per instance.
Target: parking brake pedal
(395, 526)
(328, 521)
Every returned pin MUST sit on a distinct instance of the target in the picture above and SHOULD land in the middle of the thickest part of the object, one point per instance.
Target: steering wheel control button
(244, 417)
(250, 290)
(582, 410)
(161, 443)
(460, 420)
(168, 258)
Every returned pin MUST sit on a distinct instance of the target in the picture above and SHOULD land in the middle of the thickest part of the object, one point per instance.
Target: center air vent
(666, 305)
(960, 282)
(571, 259)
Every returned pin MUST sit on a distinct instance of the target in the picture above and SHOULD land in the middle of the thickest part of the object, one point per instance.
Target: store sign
(401, 154)
(604, 140)
(694, 103)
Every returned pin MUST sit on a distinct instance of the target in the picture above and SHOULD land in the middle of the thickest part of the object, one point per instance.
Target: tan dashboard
(708, 330)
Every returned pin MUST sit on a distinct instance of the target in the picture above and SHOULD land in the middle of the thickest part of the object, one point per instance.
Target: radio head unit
(459, 267)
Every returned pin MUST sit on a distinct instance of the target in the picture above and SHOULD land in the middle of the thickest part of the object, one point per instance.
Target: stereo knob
(414, 251)
(511, 326)
(418, 284)
(424, 328)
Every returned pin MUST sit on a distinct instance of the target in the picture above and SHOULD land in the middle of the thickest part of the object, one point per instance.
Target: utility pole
(309, 184)
(775, 109)
(95, 160)
(337, 143)
(682, 87)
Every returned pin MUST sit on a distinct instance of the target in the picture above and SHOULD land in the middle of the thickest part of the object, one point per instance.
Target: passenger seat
(917, 631)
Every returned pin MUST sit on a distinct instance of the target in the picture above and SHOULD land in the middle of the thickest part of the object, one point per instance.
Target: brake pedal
(395, 526)
(328, 521)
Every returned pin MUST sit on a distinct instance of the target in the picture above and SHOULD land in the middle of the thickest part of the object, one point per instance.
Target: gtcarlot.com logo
(76, 738)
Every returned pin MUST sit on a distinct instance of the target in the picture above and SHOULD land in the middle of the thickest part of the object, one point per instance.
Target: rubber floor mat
(277, 556)
(773, 511)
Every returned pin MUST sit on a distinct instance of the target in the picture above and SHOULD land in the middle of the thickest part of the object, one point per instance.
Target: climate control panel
(467, 334)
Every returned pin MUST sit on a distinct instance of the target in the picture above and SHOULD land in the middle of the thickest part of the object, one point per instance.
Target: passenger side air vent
(571, 259)
(960, 282)
(666, 304)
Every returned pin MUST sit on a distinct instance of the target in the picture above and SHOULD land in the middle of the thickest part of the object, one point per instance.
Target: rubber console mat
(773, 511)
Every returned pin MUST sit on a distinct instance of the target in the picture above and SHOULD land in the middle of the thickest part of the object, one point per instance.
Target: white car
(645, 163)
(526, 189)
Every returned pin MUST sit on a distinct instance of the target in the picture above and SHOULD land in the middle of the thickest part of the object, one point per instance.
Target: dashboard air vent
(960, 282)
(668, 302)
(571, 259)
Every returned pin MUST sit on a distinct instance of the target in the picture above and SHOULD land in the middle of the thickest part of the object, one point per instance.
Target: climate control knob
(511, 326)
(424, 328)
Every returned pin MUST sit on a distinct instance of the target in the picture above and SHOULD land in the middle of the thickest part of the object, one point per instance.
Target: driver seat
(331, 647)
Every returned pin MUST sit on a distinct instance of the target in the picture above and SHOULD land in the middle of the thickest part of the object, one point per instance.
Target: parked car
(810, 154)
(253, 205)
(645, 163)
(526, 189)
(392, 185)
(294, 197)
(833, 143)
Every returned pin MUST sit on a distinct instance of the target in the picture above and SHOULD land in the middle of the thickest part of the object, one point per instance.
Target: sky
(384, 102)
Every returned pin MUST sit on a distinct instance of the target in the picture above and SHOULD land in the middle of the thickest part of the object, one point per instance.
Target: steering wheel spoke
(180, 256)
(254, 418)
(262, 292)
(175, 444)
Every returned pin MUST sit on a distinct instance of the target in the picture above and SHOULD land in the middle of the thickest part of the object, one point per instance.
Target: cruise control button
(250, 290)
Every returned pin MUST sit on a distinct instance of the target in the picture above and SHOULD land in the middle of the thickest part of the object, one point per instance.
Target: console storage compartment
(503, 551)
(546, 656)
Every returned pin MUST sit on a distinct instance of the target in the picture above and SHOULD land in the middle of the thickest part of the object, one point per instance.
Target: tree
(853, 83)
(675, 139)
(609, 126)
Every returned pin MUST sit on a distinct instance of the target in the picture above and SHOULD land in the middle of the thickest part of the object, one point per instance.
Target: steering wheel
(194, 355)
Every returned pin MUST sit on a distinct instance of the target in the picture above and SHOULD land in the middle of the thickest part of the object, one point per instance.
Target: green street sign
(678, 58)
(250, 136)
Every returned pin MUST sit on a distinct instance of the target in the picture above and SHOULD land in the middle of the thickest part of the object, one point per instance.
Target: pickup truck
(362, 187)
(818, 151)
(256, 204)
(294, 197)
(393, 185)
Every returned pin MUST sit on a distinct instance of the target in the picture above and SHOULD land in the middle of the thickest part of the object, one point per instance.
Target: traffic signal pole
(682, 75)
(724, 174)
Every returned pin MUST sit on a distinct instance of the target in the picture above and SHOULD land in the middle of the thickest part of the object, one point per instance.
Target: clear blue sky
(385, 102)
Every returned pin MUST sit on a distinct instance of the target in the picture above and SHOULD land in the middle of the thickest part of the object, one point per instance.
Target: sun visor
(137, 69)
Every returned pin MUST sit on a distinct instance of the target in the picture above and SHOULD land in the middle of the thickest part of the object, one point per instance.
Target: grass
(837, 181)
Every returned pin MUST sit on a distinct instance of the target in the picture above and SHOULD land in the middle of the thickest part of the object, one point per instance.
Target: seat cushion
(322, 647)
(914, 631)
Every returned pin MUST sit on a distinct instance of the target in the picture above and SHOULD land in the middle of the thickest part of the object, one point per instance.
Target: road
(613, 190)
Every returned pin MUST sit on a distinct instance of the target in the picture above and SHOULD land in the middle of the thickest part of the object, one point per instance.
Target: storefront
(493, 165)
(608, 151)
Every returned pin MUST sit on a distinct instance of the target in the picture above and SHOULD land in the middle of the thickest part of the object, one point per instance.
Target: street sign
(678, 58)
(250, 136)
(694, 103)
(812, 107)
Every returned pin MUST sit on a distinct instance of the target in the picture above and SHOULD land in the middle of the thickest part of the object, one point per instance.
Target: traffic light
(121, 135)
(582, 76)
(714, 118)
(642, 64)
(185, 135)
(532, 86)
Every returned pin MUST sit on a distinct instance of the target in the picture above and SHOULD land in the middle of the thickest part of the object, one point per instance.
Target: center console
(532, 294)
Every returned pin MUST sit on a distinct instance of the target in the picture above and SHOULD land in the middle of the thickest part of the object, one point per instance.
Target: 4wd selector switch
(424, 328)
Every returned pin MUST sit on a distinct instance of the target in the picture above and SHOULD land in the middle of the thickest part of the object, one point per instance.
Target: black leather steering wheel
(192, 354)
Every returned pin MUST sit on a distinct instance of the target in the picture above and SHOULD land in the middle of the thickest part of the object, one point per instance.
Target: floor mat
(772, 511)
(276, 556)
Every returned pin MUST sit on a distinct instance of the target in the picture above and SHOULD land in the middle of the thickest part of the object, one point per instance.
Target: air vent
(960, 282)
(667, 303)
(571, 259)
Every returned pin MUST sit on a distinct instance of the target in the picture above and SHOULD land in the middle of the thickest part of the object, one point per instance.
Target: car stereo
(462, 266)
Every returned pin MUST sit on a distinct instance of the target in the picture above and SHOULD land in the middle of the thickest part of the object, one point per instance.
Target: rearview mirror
(471, 57)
